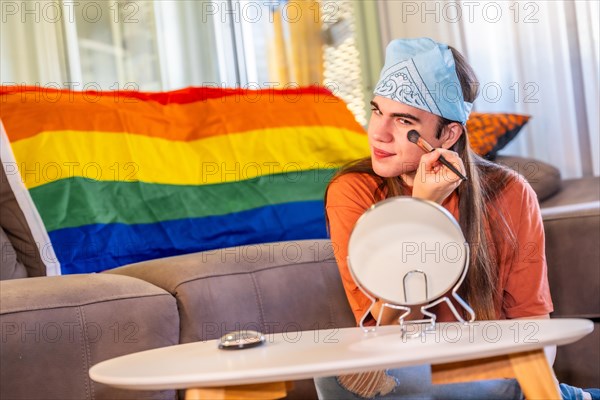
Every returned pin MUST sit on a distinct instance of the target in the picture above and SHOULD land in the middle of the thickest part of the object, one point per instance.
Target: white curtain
(188, 48)
(536, 57)
(31, 52)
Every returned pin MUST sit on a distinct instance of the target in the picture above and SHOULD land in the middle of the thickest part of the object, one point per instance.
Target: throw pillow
(10, 266)
(20, 221)
(123, 177)
(488, 133)
(544, 178)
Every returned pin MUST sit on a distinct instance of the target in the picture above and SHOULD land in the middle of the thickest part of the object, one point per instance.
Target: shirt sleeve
(526, 290)
(348, 197)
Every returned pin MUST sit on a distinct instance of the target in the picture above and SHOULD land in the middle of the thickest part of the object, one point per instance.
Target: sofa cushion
(55, 328)
(543, 178)
(134, 176)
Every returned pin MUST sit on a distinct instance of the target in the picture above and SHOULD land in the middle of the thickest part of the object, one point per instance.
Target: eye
(402, 121)
(376, 110)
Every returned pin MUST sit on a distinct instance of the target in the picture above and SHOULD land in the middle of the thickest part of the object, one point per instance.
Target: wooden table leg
(271, 391)
(531, 369)
(535, 375)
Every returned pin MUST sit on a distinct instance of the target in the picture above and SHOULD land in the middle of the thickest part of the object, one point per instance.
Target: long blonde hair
(485, 181)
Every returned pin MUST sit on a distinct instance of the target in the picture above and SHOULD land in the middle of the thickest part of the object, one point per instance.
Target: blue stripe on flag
(79, 250)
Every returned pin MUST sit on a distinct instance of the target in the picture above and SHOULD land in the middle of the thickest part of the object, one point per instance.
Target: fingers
(435, 181)
(433, 165)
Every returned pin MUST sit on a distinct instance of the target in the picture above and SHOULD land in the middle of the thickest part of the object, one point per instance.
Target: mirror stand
(425, 325)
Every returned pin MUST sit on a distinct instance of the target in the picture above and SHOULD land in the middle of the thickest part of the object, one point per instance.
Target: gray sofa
(277, 287)
(571, 213)
(52, 334)
(572, 225)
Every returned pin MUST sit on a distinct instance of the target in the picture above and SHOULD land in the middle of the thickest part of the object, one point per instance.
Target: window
(113, 45)
(153, 45)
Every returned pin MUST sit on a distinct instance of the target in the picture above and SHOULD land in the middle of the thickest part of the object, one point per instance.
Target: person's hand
(433, 180)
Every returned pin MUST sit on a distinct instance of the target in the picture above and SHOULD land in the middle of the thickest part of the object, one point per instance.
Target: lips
(381, 154)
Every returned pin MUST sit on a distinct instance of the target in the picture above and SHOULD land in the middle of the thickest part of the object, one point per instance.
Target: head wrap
(421, 73)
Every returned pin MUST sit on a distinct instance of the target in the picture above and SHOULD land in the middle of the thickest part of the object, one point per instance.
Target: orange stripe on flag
(178, 122)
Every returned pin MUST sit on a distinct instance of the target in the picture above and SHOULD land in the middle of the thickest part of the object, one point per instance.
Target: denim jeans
(415, 383)
(570, 392)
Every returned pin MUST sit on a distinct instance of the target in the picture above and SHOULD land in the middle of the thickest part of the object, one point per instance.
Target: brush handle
(415, 137)
(452, 168)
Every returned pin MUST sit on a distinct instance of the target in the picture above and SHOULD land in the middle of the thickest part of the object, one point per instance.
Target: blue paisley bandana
(421, 73)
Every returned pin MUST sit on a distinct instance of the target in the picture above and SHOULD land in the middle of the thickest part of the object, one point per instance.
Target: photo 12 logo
(54, 92)
(478, 331)
(69, 11)
(128, 12)
(68, 332)
(469, 11)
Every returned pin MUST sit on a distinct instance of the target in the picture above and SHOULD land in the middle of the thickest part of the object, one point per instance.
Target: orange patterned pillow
(488, 133)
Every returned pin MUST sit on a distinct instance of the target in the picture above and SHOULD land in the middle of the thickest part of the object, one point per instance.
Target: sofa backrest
(274, 287)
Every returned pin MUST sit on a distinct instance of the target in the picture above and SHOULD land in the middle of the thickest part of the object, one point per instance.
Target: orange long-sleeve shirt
(522, 277)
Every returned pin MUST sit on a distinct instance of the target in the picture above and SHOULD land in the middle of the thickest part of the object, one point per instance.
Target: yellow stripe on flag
(51, 156)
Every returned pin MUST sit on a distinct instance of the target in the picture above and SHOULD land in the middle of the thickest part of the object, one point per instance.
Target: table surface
(307, 354)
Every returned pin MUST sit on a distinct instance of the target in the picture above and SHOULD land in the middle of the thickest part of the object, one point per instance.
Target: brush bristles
(413, 136)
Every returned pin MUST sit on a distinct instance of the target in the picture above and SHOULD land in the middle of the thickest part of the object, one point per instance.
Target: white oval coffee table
(482, 350)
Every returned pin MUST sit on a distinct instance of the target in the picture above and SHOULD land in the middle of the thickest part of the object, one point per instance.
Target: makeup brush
(416, 138)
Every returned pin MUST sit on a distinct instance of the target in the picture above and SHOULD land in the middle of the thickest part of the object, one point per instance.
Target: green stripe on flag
(140, 202)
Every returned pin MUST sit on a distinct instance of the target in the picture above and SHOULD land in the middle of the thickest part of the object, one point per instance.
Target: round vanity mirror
(407, 251)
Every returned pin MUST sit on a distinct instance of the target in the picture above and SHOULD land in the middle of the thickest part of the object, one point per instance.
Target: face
(392, 154)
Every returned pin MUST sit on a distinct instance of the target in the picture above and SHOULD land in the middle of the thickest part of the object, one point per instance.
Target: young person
(429, 87)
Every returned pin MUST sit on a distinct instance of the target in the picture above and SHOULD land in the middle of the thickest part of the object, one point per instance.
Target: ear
(450, 134)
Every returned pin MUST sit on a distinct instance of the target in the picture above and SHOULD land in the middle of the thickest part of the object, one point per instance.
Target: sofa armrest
(55, 328)
(587, 209)
(573, 257)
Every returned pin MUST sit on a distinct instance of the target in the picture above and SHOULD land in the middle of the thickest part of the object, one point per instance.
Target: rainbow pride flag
(122, 177)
